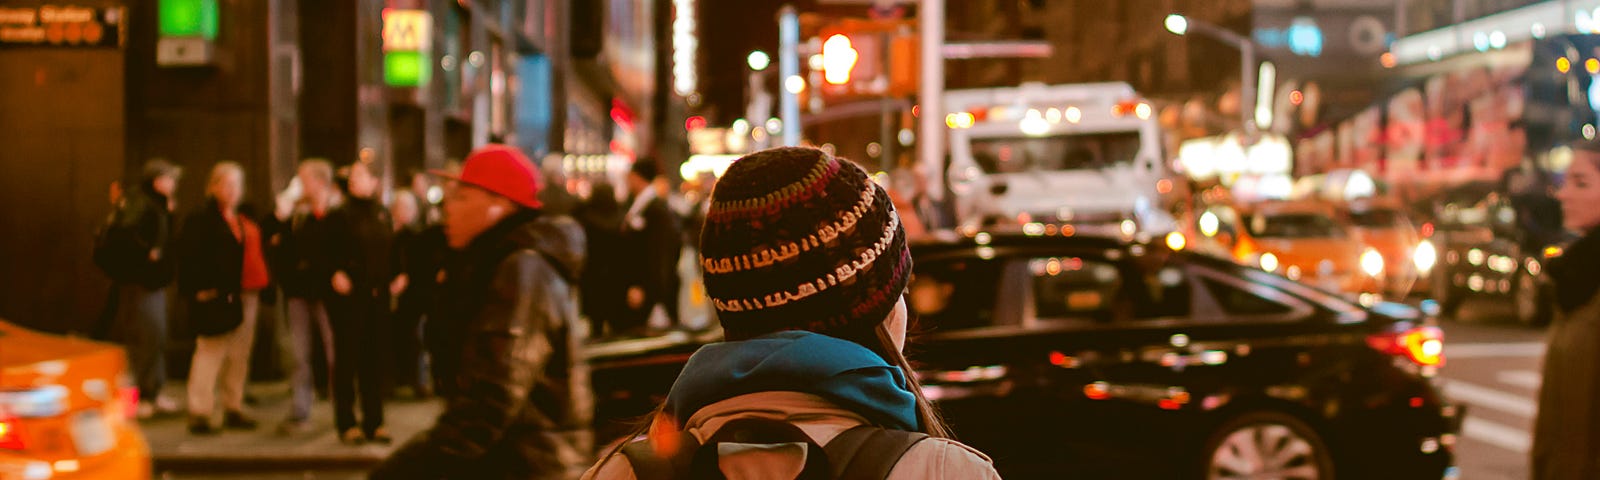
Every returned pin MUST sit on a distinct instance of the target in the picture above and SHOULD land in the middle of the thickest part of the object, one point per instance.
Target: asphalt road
(1493, 367)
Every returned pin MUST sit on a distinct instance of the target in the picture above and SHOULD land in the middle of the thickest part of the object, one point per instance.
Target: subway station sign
(64, 26)
(407, 36)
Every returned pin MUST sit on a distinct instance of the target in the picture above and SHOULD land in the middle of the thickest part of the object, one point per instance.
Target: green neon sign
(406, 69)
(188, 18)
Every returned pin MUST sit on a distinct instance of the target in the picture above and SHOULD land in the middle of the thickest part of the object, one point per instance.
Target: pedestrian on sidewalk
(134, 253)
(363, 282)
(654, 240)
(419, 254)
(221, 272)
(604, 287)
(1566, 434)
(806, 262)
(520, 407)
(308, 264)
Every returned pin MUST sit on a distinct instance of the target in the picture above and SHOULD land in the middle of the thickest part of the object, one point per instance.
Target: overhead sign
(406, 30)
(60, 26)
(407, 40)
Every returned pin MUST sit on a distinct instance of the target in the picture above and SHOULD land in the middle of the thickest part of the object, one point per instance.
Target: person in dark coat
(520, 407)
(1566, 434)
(653, 240)
(419, 251)
(221, 271)
(136, 256)
(604, 289)
(306, 273)
(363, 281)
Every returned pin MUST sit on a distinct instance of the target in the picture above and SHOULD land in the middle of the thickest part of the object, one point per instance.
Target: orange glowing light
(1058, 359)
(1592, 65)
(1097, 391)
(1164, 186)
(1416, 402)
(1388, 60)
(1297, 97)
(1563, 65)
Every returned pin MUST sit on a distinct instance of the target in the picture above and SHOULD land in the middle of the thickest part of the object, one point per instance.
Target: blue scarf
(841, 371)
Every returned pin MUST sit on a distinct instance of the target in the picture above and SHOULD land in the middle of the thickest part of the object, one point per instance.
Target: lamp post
(1181, 25)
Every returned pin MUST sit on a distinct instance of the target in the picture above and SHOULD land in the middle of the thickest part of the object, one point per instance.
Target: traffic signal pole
(930, 96)
(789, 66)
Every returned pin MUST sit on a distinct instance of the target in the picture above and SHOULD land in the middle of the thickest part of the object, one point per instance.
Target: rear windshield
(1064, 152)
(1295, 225)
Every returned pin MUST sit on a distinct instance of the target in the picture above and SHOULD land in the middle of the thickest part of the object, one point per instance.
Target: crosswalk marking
(1478, 396)
(1493, 350)
(1519, 378)
(1509, 438)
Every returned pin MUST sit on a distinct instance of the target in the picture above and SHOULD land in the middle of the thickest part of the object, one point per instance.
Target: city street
(1493, 367)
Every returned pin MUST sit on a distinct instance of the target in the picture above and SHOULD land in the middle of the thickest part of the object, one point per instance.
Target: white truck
(1069, 154)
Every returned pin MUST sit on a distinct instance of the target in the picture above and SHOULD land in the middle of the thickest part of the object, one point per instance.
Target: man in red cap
(516, 393)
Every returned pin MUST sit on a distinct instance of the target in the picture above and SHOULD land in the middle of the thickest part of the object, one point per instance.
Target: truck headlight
(1372, 262)
(1426, 256)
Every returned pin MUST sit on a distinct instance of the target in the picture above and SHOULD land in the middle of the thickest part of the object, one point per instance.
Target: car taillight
(130, 402)
(1422, 345)
(10, 436)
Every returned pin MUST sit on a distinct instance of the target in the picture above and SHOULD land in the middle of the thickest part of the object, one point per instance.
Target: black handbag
(217, 316)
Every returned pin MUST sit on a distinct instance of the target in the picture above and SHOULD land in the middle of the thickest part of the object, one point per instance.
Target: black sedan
(1075, 356)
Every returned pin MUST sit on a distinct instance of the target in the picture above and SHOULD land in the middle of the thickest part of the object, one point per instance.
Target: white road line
(1519, 378)
(1493, 350)
(1509, 438)
(1478, 396)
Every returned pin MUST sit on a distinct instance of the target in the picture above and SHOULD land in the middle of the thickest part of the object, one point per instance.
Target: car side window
(1236, 301)
(954, 294)
(1067, 288)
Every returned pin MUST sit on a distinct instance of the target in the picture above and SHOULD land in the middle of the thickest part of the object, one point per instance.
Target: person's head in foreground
(806, 263)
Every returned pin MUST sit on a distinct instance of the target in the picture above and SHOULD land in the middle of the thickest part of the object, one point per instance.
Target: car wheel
(1444, 292)
(1530, 301)
(1267, 445)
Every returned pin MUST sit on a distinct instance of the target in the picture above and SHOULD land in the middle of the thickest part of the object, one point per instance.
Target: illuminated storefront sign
(60, 26)
(685, 43)
(407, 36)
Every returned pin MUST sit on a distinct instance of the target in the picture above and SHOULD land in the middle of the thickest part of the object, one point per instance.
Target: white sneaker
(165, 404)
(145, 411)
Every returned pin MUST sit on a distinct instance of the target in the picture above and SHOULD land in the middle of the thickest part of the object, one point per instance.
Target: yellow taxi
(1307, 242)
(1384, 226)
(66, 410)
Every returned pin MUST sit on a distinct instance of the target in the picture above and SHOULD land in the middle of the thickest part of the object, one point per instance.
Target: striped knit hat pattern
(796, 239)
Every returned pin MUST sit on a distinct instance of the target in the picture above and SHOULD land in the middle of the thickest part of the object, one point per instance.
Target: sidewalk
(175, 450)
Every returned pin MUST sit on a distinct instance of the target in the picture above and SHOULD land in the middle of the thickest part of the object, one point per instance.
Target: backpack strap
(647, 465)
(867, 452)
(759, 431)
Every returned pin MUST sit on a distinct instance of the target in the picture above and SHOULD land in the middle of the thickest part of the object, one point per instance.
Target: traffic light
(838, 57)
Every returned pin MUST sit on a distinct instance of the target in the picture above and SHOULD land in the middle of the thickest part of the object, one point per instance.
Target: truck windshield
(1064, 152)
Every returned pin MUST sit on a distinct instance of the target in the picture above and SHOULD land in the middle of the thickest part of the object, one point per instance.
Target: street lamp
(1181, 25)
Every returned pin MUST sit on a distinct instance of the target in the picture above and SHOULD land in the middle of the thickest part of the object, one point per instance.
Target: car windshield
(1377, 218)
(1063, 152)
(1295, 225)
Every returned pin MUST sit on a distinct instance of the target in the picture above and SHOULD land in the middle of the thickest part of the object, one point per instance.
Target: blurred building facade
(405, 84)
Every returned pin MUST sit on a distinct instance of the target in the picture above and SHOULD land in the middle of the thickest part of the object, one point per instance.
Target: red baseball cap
(501, 169)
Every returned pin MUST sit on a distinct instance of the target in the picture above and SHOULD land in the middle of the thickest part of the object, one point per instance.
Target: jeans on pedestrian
(305, 314)
(227, 354)
(141, 326)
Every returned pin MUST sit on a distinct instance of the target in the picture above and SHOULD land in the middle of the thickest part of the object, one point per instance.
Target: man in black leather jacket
(518, 403)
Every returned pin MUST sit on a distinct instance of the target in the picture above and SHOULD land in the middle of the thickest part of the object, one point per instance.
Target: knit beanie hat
(796, 239)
